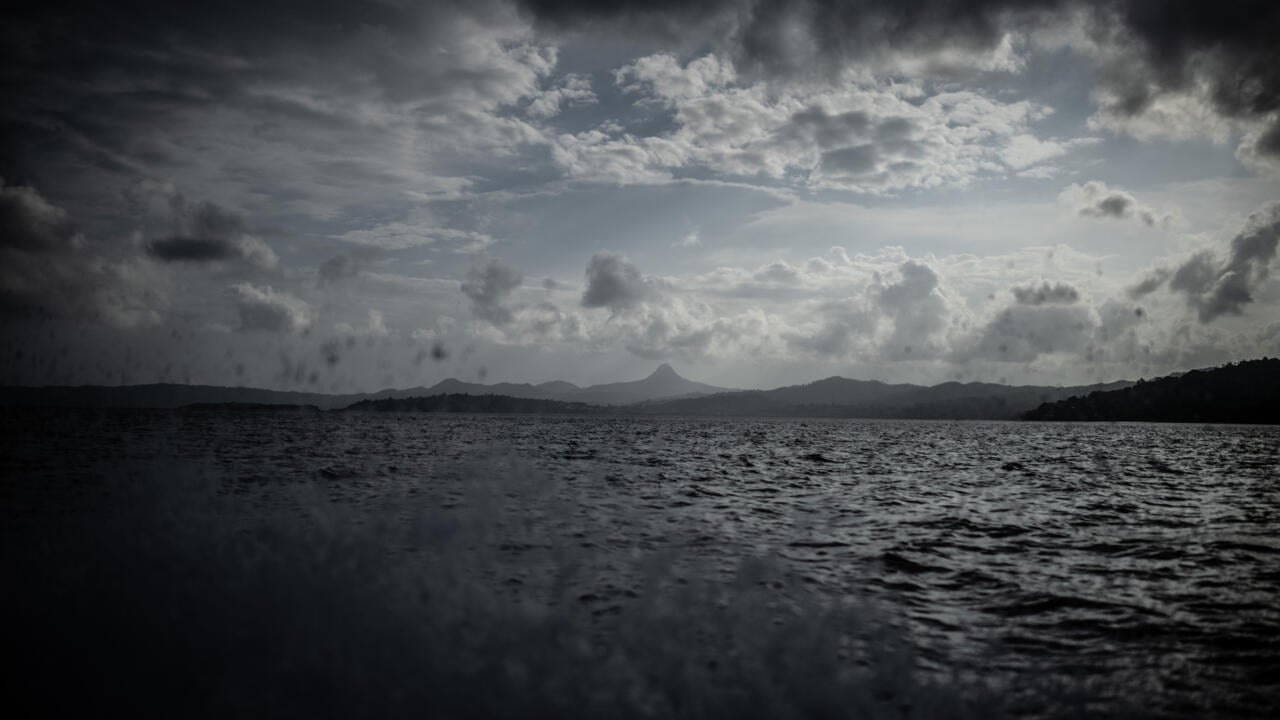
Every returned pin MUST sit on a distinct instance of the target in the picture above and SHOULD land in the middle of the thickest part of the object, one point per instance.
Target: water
(1036, 570)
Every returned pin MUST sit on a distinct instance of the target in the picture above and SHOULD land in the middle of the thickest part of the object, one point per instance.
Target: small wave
(1220, 545)
(1043, 603)
(336, 472)
(894, 561)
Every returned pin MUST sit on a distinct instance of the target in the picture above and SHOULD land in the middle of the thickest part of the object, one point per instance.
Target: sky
(349, 196)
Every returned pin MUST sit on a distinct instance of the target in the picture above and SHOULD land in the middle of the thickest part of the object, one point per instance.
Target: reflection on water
(659, 567)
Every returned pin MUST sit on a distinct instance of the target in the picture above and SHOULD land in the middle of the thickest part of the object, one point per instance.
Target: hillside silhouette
(462, 403)
(1243, 392)
(663, 392)
(838, 397)
(664, 383)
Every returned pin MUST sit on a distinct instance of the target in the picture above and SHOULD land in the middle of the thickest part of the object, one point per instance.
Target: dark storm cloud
(488, 287)
(205, 232)
(1046, 294)
(99, 96)
(1269, 142)
(1150, 47)
(197, 54)
(670, 21)
(1216, 287)
(48, 271)
(1231, 45)
(107, 89)
(192, 249)
(613, 282)
(28, 222)
(779, 36)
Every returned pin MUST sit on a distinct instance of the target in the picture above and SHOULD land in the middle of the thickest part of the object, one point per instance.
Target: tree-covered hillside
(1243, 392)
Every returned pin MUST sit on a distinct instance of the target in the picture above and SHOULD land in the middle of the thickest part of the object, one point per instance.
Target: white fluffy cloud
(571, 90)
(867, 137)
(995, 318)
(266, 310)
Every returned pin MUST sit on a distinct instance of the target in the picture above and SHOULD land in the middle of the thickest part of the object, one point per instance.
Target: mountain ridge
(663, 383)
(662, 392)
(842, 397)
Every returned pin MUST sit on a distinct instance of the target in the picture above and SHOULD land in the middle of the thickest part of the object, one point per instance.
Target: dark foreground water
(302, 565)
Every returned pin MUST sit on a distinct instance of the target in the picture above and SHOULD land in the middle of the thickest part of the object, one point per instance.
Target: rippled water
(1139, 564)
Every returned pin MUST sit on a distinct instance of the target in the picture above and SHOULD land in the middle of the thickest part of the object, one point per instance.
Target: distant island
(1243, 392)
(837, 397)
(663, 384)
(491, 404)
(833, 397)
(663, 392)
(225, 407)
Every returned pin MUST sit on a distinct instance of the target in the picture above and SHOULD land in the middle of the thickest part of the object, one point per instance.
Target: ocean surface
(524, 566)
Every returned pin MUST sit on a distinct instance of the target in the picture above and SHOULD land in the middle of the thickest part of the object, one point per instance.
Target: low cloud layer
(885, 310)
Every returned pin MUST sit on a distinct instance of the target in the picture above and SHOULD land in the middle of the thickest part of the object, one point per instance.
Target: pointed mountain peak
(664, 372)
